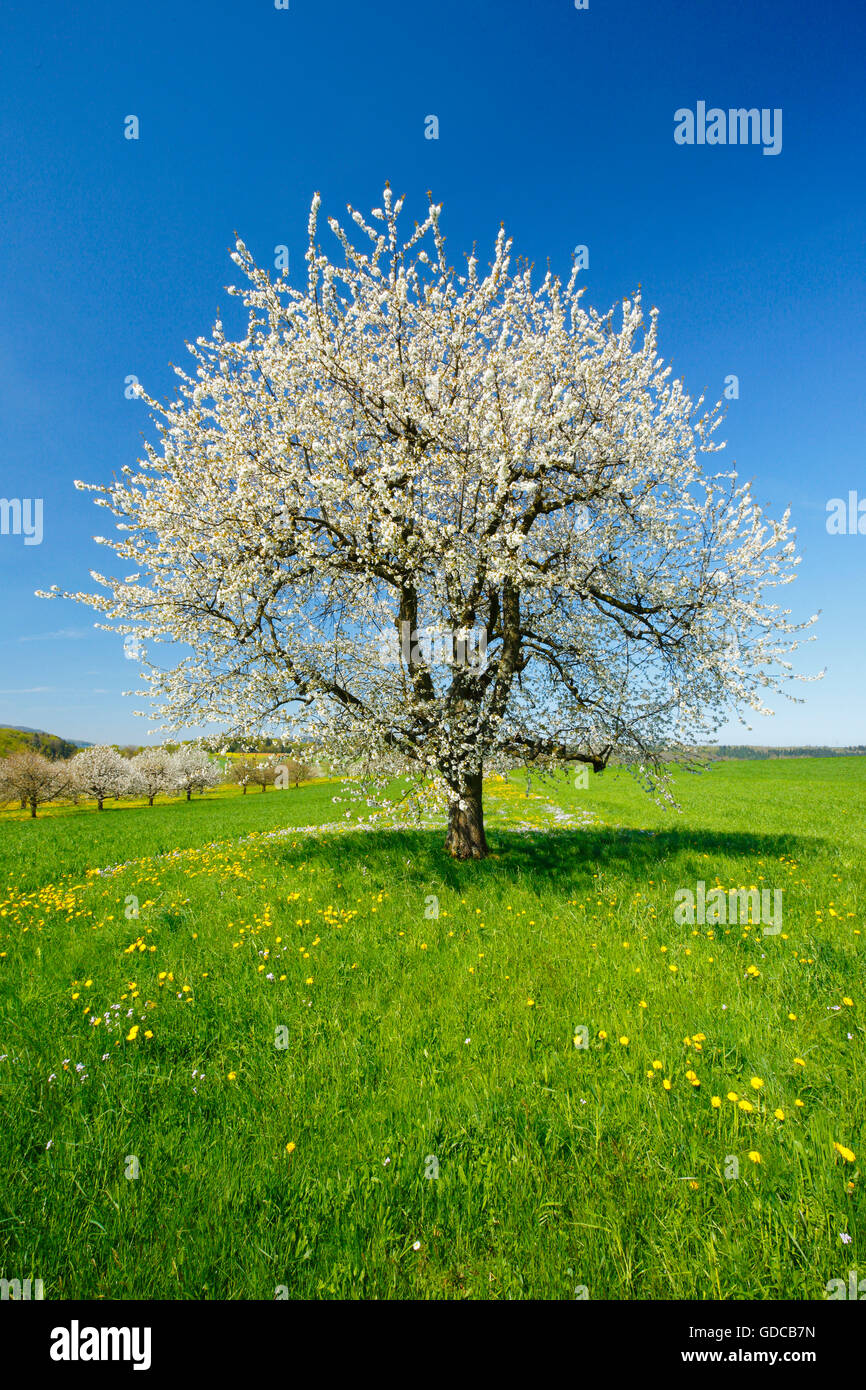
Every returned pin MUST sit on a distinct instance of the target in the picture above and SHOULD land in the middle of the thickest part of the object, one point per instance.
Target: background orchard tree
(7, 789)
(31, 779)
(263, 772)
(153, 768)
(240, 771)
(400, 448)
(191, 770)
(295, 771)
(102, 773)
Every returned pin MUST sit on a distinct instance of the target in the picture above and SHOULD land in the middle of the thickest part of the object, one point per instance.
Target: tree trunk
(264, 786)
(465, 838)
(33, 808)
(99, 805)
(245, 788)
(189, 793)
(150, 800)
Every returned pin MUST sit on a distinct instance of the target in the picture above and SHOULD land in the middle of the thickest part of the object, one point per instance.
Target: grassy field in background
(342, 1065)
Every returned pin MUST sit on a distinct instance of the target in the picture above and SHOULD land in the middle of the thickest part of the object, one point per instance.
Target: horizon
(129, 743)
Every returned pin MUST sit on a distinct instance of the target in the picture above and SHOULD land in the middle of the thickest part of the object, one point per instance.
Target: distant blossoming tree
(263, 772)
(291, 772)
(32, 780)
(101, 773)
(153, 769)
(191, 770)
(453, 517)
(240, 771)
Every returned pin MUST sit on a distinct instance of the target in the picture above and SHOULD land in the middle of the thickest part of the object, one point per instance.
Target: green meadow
(246, 1058)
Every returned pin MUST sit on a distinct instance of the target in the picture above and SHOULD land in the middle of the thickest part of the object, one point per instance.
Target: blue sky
(558, 122)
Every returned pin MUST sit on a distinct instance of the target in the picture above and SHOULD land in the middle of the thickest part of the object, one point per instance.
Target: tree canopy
(451, 518)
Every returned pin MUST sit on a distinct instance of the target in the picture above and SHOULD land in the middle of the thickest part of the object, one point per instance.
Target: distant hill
(15, 739)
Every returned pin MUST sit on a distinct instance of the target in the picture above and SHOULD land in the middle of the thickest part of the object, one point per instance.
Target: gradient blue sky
(560, 122)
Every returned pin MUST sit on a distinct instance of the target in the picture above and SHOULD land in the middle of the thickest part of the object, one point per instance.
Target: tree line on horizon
(16, 738)
(725, 751)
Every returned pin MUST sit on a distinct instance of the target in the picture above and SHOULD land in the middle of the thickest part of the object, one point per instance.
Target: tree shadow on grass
(560, 860)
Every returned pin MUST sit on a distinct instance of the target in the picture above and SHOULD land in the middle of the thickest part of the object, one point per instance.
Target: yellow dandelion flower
(848, 1154)
(667, 1083)
(657, 1066)
(290, 1148)
(133, 1033)
(233, 1076)
(779, 1114)
(715, 1102)
(798, 1062)
(624, 1042)
(756, 1082)
(754, 1156)
(747, 1106)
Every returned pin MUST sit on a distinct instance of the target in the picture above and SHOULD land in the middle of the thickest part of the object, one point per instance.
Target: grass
(69, 840)
(344, 1066)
